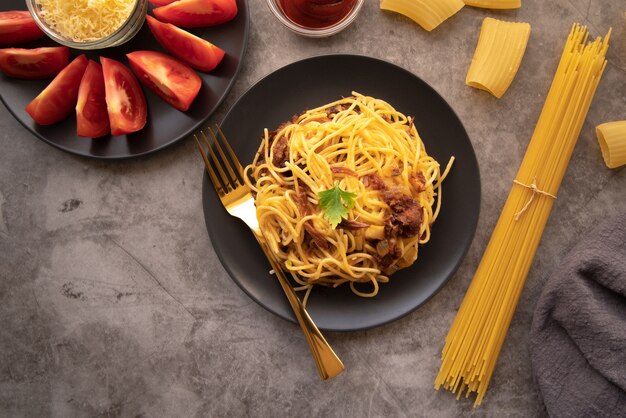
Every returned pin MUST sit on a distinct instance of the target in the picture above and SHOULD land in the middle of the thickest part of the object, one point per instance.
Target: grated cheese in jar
(85, 20)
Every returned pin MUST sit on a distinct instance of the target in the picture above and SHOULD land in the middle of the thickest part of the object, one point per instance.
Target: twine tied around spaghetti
(535, 190)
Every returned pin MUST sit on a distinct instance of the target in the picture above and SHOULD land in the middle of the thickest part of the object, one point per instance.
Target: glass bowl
(123, 34)
(315, 32)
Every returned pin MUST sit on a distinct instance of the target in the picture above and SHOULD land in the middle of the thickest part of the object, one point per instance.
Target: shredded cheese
(85, 20)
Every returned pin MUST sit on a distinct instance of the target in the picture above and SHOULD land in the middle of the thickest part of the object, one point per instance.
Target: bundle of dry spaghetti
(476, 336)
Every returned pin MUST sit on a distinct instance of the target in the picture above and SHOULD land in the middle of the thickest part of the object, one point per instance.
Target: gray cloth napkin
(578, 335)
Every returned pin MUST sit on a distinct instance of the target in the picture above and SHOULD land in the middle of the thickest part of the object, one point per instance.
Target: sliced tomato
(197, 52)
(170, 79)
(92, 119)
(34, 63)
(18, 26)
(197, 13)
(126, 103)
(58, 99)
(159, 3)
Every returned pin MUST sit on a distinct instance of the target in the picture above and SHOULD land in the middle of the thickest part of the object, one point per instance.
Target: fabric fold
(578, 335)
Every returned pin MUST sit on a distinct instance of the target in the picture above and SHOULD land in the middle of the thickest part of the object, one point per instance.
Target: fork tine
(233, 157)
(216, 184)
(225, 179)
(228, 165)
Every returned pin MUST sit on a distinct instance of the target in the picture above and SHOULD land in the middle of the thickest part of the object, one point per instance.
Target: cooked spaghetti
(364, 149)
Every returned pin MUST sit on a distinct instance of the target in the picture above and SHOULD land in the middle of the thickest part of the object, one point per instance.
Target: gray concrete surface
(113, 302)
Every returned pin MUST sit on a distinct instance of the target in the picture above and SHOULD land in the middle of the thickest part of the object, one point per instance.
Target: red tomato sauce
(316, 14)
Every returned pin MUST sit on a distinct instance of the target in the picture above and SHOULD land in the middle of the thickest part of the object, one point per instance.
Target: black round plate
(313, 82)
(165, 125)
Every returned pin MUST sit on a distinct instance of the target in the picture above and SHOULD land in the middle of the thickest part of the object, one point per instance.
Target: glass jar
(123, 34)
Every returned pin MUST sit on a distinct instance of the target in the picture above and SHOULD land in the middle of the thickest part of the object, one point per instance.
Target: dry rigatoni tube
(499, 52)
(495, 4)
(475, 339)
(612, 140)
(427, 13)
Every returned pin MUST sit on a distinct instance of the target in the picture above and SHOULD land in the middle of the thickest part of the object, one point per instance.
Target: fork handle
(328, 363)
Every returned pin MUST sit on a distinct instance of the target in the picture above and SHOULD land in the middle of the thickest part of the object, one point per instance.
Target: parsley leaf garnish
(335, 203)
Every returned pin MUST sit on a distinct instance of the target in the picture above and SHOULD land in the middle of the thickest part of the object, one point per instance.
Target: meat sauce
(316, 14)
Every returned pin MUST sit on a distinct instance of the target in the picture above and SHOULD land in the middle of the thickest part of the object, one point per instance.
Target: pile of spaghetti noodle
(363, 146)
(477, 334)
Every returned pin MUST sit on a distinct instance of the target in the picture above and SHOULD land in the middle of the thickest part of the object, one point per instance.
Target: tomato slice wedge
(34, 63)
(197, 13)
(18, 26)
(159, 3)
(170, 79)
(197, 52)
(92, 119)
(126, 103)
(58, 99)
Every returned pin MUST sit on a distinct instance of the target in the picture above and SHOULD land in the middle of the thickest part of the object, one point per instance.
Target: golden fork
(238, 201)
